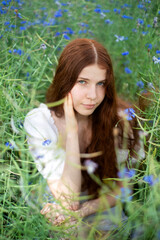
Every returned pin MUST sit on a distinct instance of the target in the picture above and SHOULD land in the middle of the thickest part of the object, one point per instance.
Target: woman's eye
(81, 82)
(101, 83)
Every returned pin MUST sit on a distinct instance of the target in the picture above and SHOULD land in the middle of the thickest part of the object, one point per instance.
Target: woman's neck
(83, 120)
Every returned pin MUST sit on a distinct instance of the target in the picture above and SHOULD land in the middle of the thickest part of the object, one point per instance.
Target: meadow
(32, 36)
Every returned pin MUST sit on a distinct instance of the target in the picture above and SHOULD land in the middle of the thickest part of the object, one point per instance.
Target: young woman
(90, 121)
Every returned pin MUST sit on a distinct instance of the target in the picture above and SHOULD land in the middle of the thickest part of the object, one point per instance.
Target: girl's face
(89, 89)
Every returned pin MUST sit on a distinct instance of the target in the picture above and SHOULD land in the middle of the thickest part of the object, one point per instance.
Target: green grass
(24, 78)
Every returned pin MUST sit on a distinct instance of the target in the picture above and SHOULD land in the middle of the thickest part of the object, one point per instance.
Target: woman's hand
(56, 215)
(71, 122)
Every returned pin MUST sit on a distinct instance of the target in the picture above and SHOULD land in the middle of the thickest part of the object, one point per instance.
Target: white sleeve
(42, 137)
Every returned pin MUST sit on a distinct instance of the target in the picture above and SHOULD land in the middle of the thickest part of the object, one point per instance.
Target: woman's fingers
(59, 220)
(68, 106)
(45, 209)
(49, 207)
(71, 122)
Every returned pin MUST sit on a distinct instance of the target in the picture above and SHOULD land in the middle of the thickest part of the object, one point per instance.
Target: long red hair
(78, 54)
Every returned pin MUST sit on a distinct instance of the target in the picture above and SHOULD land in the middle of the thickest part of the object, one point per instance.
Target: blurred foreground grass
(32, 35)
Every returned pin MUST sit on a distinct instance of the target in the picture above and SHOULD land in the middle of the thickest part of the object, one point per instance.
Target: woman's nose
(91, 92)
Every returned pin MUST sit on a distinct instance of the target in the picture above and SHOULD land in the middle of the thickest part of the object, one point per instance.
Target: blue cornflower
(144, 33)
(141, 6)
(149, 45)
(13, 8)
(1, 36)
(18, 15)
(23, 22)
(158, 12)
(82, 31)
(125, 195)
(20, 52)
(127, 5)
(140, 84)
(131, 173)
(8, 144)
(27, 74)
(43, 8)
(64, 4)
(158, 51)
(83, 24)
(148, 25)
(10, 51)
(69, 30)
(4, 3)
(13, 26)
(150, 180)
(58, 13)
(22, 28)
(57, 34)
(125, 53)
(134, 30)
(108, 21)
(28, 58)
(125, 172)
(127, 70)
(106, 11)
(66, 36)
(130, 113)
(128, 17)
(46, 142)
(117, 10)
(140, 21)
(2, 11)
(6, 23)
(97, 10)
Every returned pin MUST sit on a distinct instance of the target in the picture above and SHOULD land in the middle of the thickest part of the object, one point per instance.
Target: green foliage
(33, 34)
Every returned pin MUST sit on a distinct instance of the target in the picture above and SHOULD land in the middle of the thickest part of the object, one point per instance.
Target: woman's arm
(69, 186)
(57, 215)
(99, 204)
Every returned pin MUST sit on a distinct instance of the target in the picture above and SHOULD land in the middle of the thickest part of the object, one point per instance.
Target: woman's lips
(89, 106)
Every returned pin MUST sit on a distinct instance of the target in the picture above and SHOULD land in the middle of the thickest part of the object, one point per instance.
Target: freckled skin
(89, 91)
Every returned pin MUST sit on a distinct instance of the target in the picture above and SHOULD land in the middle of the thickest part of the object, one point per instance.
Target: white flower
(150, 85)
(90, 165)
(43, 46)
(155, 60)
(119, 38)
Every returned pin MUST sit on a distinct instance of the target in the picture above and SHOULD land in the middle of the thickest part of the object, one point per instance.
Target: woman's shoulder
(40, 120)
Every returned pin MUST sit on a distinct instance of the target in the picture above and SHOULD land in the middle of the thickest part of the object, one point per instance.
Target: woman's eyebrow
(89, 79)
(83, 78)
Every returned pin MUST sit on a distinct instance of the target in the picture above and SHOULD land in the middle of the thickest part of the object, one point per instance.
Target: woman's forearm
(99, 204)
(68, 188)
(71, 176)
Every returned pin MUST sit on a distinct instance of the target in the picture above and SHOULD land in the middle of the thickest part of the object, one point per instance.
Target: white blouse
(42, 137)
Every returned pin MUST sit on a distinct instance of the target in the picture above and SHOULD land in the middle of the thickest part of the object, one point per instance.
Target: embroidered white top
(42, 137)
